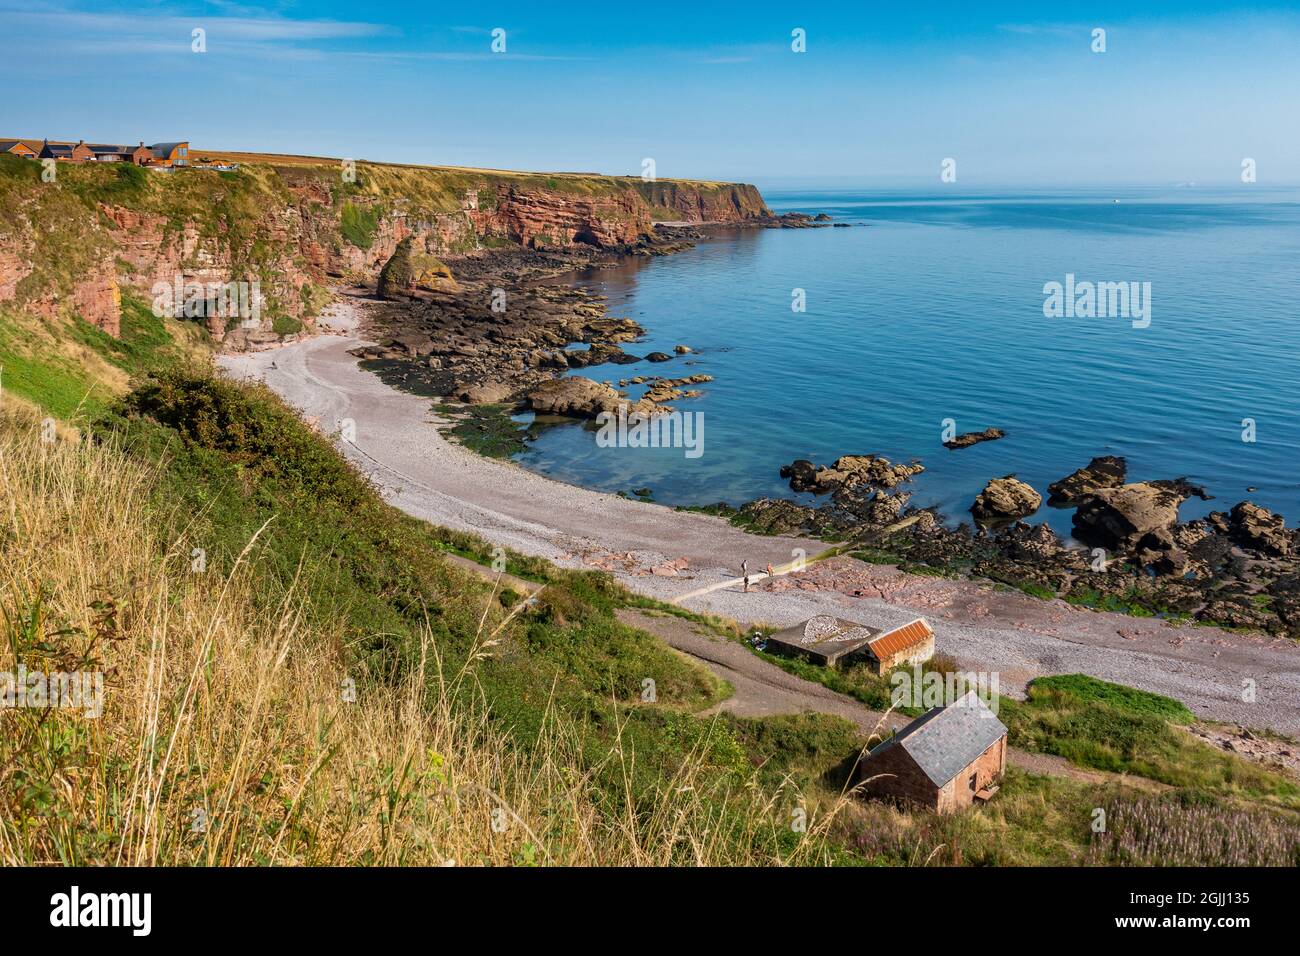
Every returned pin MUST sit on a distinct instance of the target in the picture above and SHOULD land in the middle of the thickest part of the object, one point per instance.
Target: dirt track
(762, 689)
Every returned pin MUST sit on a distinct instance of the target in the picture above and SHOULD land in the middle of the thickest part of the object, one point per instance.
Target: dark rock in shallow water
(1106, 471)
(974, 438)
(659, 357)
(598, 354)
(802, 474)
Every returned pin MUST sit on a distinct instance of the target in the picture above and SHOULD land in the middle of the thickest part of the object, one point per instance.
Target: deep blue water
(931, 307)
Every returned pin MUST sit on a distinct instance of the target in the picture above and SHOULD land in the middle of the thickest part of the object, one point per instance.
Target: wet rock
(974, 438)
(659, 357)
(1106, 471)
(414, 345)
(872, 470)
(850, 473)
(1233, 612)
(1259, 529)
(1032, 542)
(1004, 499)
(682, 349)
(778, 516)
(487, 393)
(574, 397)
(1119, 518)
(802, 474)
(885, 508)
(598, 354)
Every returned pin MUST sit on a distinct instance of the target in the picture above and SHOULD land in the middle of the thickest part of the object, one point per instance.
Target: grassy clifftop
(441, 188)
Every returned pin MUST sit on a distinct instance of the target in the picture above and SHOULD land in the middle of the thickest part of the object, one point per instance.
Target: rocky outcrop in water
(1004, 500)
(847, 473)
(1106, 471)
(1139, 516)
(967, 439)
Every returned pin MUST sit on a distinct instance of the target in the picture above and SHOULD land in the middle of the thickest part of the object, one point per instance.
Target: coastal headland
(445, 269)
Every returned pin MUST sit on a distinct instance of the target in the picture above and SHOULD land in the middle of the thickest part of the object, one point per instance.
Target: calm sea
(931, 307)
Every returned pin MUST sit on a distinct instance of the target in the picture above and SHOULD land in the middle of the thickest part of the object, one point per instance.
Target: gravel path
(664, 553)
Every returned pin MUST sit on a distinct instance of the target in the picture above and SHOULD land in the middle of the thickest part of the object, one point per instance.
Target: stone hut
(946, 759)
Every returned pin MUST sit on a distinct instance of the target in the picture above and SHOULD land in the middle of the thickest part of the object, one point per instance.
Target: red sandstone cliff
(285, 229)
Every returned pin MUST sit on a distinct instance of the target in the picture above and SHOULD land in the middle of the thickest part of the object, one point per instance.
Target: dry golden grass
(226, 738)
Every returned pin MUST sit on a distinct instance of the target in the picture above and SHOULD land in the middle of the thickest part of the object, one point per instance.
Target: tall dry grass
(228, 737)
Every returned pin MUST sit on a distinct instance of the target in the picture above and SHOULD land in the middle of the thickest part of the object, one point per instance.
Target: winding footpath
(694, 559)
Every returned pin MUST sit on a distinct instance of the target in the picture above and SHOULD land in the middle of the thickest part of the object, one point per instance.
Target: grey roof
(945, 740)
(8, 144)
(823, 637)
(163, 150)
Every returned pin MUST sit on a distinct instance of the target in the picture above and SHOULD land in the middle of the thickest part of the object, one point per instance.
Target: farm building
(946, 759)
(911, 643)
(77, 152)
(165, 155)
(170, 154)
(830, 641)
(17, 148)
(112, 153)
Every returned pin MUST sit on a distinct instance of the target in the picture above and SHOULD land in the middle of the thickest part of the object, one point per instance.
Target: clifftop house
(830, 641)
(946, 759)
(17, 147)
(163, 155)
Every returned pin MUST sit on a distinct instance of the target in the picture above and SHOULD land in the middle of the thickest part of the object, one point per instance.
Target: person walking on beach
(744, 570)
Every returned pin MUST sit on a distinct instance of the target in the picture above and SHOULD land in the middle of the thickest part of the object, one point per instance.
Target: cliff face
(284, 231)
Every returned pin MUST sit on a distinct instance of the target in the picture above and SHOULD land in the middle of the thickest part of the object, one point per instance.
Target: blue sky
(883, 94)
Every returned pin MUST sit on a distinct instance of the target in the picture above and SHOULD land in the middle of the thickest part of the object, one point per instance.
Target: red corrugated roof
(911, 634)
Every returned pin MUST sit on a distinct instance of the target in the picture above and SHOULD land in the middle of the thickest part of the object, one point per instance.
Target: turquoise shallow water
(931, 307)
